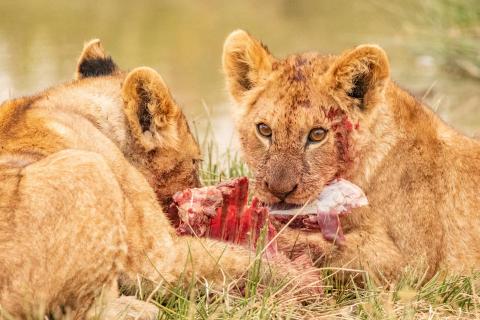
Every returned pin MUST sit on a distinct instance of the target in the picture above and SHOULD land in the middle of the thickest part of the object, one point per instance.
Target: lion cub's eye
(317, 135)
(264, 130)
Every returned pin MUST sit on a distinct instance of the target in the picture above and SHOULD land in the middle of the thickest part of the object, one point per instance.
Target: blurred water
(40, 42)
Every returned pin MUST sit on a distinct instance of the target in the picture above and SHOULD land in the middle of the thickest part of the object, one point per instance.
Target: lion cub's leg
(171, 259)
(219, 263)
(373, 252)
(68, 241)
(156, 253)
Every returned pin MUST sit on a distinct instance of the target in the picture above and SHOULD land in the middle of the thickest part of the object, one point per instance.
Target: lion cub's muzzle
(281, 179)
(281, 191)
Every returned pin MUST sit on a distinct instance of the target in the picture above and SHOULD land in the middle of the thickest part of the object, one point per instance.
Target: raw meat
(336, 199)
(221, 212)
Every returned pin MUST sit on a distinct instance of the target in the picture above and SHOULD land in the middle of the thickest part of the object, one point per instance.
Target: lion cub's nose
(280, 189)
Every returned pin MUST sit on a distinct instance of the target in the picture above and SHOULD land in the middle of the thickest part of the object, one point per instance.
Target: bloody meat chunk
(338, 198)
(221, 212)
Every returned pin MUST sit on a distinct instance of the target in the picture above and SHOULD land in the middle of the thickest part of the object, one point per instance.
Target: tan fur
(421, 177)
(83, 168)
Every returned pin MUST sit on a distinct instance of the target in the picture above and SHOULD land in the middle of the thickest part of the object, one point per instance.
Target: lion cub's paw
(303, 277)
(129, 308)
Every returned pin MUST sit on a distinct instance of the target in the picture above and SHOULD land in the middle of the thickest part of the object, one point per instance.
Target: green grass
(454, 33)
(449, 30)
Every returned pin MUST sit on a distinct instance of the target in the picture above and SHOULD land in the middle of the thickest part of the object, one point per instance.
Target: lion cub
(84, 167)
(308, 119)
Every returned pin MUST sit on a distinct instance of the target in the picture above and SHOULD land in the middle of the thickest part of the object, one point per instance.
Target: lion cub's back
(47, 209)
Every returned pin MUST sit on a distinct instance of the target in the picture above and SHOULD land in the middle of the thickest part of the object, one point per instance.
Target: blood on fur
(342, 128)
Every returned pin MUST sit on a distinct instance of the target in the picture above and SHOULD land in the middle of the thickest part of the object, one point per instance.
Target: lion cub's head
(157, 139)
(303, 120)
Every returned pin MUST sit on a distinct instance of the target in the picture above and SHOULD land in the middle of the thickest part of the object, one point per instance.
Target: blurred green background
(434, 46)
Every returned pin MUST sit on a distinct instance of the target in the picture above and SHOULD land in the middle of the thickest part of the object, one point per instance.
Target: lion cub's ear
(246, 62)
(94, 62)
(150, 109)
(362, 73)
